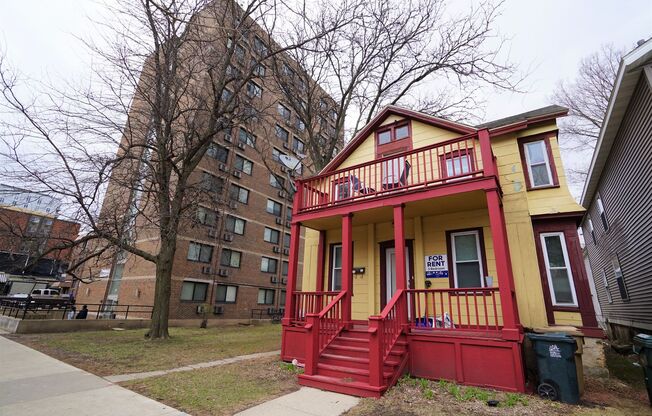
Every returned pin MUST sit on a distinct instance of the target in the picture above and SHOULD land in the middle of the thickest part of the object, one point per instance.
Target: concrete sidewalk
(304, 402)
(32, 383)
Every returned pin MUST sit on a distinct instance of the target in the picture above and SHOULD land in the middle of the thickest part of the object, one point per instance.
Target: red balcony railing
(309, 302)
(455, 309)
(441, 163)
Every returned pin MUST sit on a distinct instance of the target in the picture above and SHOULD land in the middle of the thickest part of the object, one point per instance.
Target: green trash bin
(556, 364)
(643, 347)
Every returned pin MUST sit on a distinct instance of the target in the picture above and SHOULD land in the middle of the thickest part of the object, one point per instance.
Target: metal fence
(57, 308)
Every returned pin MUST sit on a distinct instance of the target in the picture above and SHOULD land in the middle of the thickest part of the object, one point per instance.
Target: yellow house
(431, 246)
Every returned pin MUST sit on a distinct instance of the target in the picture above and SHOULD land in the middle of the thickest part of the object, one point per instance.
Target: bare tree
(587, 98)
(174, 75)
(411, 53)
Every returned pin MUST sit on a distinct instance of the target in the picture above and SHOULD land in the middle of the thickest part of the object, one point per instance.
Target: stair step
(361, 374)
(355, 388)
(351, 340)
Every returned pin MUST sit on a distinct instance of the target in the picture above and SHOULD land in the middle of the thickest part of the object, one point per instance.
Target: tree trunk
(160, 314)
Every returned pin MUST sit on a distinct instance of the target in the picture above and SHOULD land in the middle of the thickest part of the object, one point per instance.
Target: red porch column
(488, 165)
(321, 249)
(401, 258)
(295, 235)
(511, 322)
(347, 265)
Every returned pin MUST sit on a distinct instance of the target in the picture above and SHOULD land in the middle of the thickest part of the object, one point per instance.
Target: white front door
(390, 274)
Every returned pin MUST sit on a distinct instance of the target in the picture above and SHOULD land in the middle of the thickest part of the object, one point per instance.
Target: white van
(45, 292)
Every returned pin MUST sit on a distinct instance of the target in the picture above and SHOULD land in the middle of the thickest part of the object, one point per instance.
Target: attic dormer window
(393, 138)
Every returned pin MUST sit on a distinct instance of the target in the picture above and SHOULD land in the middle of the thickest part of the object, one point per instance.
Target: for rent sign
(436, 266)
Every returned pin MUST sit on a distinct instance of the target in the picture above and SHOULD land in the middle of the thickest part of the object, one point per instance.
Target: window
(288, 214)
(603, 215)
(284, 112)
(39, 225)
(254, 90)
(591, 230)
(539, 169)
(271, 235)
(226, 294)
(211, 183)
(298, 146)
(206, 216)
(393, 138)
(300, 125)
(233, 72)
(268, 265)
(247, 138)
(274, 207)
(202, 253)
(284, 268)
(235, 225)
(226, 95)
(467, 259)
(282, 134)
(394, 133)
(457, 163)
(276, 181)
(606, 286)
(266, 296)
(239, 53)
(286, 240)
(238, 193)
(243, 165)
(218, 152)
(258, 69)
(620, 279)
(259, 46)
(560, 277)
(194, 291)
(287, 71)
(281, 300)
(343, 189)
(230, 258)
(276, 155)
(336, 267)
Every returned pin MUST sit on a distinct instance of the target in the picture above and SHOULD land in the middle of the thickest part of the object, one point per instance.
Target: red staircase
(360, 360)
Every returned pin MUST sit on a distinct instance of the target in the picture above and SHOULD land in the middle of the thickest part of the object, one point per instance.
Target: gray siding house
(618, 197)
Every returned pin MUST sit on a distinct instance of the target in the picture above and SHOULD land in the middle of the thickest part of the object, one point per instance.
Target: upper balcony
(449, 166)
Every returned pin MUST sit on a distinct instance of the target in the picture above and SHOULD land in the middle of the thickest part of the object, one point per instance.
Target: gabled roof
(627, 78)
(518, 121)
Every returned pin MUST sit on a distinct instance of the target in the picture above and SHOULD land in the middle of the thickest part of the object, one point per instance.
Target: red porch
(471, 335)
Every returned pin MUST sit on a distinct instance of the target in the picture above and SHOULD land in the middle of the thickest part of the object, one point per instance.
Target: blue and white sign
(437, 266)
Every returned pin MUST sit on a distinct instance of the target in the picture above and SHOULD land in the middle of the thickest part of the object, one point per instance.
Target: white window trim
(478, 250)
(606, 286)
(529, 165)
(333, 268)
(564, 250)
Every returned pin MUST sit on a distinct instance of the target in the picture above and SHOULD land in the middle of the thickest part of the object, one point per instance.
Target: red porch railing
(437, 164)
(323, 327)
(385, 330)
(309, 302)
(455, 309)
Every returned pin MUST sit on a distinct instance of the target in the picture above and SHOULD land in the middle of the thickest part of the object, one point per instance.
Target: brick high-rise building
(234, 259)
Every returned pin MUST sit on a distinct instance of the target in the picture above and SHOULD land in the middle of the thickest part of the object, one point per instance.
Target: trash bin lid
(643, 340)
(553, 337)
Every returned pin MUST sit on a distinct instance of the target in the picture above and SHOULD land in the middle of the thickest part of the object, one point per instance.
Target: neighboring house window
(226, 294)
(620, 279)
(558, 269)
(288, 214)
(259, 69)
(284, 112)
(394, 138)
(281, 300)
(202, 253)
(268, 265)
(274, 207)
(603, 215)
(244, 165)
(457, 163)
(212, 183)
(286, 240)
(591, 230)
(259, 46)
(194, 291)
(284, 269)
(298, 146)
(254, 90)
(235, 225)
(238, 193)
(300, 125)
(218, 152)
(282, 134)
(606, 286)
(276, 155)
(266, 296)
(539, 166)
(247, 138)
(206, 216)
(468, 267)
(230, 258)
(336, 267)
(275, 181)
(271, 235)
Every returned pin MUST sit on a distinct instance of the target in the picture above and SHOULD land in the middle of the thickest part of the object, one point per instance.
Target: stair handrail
(323, 328)
(385, 329)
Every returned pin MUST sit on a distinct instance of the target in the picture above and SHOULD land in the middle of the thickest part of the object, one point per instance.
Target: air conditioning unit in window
(227, 237)
(241, 146)
(206, 270)
(276, 249)
(200, 309)
(270, 311)
(223, 273)
(288, 224)
(279, 220)
(212, 233)
(273, 279)
(284, 280)
(228, 138)
(222, 167)
(286, 251)
(218, 310)
(233, 205)
(282, 194)
(237, 173)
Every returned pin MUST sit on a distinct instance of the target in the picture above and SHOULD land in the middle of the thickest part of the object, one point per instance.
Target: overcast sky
(547, 39)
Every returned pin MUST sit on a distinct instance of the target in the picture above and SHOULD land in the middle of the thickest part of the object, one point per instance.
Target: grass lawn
(119, 352)
(220, 390)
